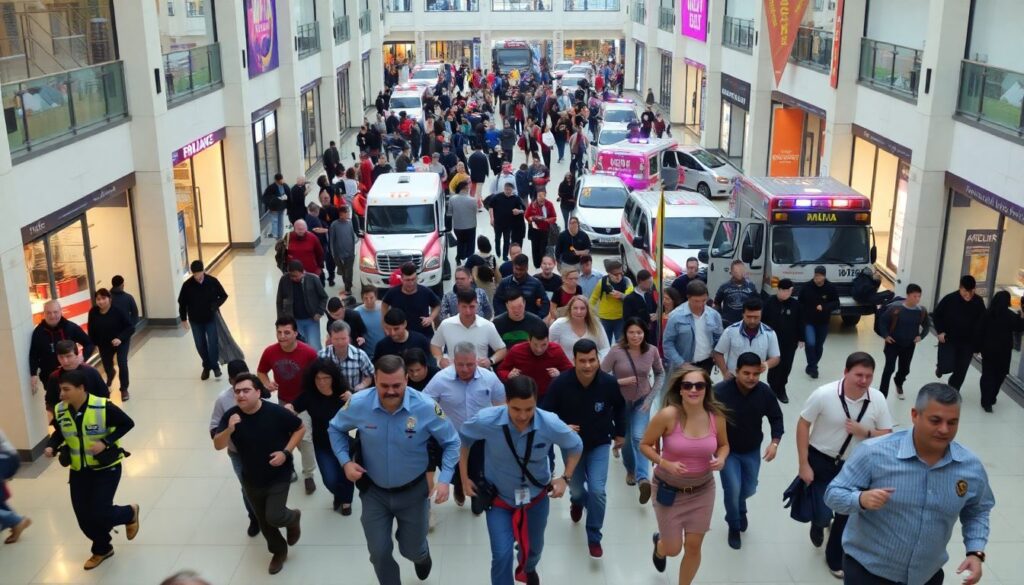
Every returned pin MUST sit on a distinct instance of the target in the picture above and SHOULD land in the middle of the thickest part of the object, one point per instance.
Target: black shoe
(337, 503)
(217, 373)
(124, 395)
(423, 568)
(817, 535)
(330, 283)
(743, 523)
(783, 397)
(254, 528)
(205, 375)
(659, 562)
(734, 539)
(532, 578)
(986, 407)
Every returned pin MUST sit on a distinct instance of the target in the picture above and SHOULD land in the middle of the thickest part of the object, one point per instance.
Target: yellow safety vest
(94, 430)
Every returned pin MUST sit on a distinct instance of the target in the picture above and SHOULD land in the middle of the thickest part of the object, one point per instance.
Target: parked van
(637, 161)
(405, 222)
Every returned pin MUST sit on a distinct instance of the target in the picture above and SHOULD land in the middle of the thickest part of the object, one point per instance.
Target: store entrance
(202, 206)
(696, 89)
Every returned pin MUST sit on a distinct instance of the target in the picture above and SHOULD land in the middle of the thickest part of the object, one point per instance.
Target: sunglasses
(693, 385)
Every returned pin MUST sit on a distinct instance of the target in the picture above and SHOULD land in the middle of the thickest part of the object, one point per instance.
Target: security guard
(394, 424)
(88, 431)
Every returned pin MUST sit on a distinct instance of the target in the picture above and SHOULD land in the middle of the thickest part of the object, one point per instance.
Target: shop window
(203, 232)
(309, 105)
(268, 162)
(343, 96)
(665, 90)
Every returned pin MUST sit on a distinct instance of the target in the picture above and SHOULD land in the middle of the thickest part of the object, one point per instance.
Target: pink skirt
(691, 512)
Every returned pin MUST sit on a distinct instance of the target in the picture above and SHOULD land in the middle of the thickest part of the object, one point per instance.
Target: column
(376, 52)
(328, 79)
(838, 155)
(711, 135)
(755, 149)
(355, 68)
(289, 128)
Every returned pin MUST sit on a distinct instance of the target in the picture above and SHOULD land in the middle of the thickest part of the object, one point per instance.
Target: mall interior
(141, 135)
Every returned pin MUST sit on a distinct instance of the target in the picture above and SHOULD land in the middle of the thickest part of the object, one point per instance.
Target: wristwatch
(568, 479)
(977, 553)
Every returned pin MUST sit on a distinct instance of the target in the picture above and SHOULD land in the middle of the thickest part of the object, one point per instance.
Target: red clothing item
(522, 358)
(538, 220)
(287, 368)
(308, 250)
(599, 83)
(366, 173)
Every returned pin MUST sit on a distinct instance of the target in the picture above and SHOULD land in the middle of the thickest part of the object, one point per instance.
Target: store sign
(695, 19)
(269, 108)
(787, 134)
(196, 146)
(837, 37)
(52, 221)
(261, 36)
(736, 91)
(979, 258)
(783, 17)
(786, 99)
(882, 142)
(988, 198)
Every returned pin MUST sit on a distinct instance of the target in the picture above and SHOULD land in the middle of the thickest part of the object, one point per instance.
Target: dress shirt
(394, 444)
(905, 541)
(461, 400)
(354, 366)
(702, 345)
(735, 341)
(588, 282)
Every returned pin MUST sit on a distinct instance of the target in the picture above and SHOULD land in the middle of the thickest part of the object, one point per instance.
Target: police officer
(783, 314)
(394, 426)
(516, 439)
(88, 430)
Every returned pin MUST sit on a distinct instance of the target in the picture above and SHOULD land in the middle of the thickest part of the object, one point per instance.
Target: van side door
(669, 170)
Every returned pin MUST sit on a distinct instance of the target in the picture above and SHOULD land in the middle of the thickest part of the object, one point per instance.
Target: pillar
(838, 155)
(328, 80)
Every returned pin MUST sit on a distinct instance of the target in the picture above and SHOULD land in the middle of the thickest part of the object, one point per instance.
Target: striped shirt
(906, 540)
(354, 366)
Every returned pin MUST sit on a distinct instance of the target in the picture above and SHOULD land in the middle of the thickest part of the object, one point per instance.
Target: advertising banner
(787, 130)
(783, 18)
(261, 36)
(979, 251)
(837, 38)
(695, 19)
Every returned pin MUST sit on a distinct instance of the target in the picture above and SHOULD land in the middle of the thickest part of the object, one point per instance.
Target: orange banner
(783, 23)
(787, 131)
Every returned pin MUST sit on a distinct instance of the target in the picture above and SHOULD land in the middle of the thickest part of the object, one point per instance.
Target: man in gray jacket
(301, 295)
(341, 239)
(903, 324)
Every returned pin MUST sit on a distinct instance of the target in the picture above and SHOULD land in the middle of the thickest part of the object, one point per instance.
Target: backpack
(281, 253)
(896, 305)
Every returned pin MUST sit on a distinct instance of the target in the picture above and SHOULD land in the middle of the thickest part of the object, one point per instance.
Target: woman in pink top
(687, 441)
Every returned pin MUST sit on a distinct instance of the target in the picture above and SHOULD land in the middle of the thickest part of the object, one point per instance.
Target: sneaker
(630, 479)
(743, 523)
(659, 562)
(124, 395)
(294, 530)
(217, 373)
(575, 512)
(817, 535)
(423, 568)
(645, 491)
(310, 485)
(96, 560)
(734, 539)
(132, 528)
(277, 563)
(838, 574)
(899, 393)
(205, 375)
(595, 549)
(254, 528)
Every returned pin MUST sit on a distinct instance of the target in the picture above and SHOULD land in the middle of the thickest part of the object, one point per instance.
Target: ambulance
(637, 161)
(785, 227)
(405, 222)
(408, 99)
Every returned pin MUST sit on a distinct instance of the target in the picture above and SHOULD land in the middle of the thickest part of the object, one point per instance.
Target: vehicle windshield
(514, 58)
(581, 69)
(603, 197)
(571, 80)
(394, 219)
(617, 115)
(403, 103)
(689, 233)
(611, 136)
(706, 158)
(425, 74)
(563, 66)
(804, 245)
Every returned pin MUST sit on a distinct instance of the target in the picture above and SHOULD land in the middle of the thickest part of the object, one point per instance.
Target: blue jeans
(309, 329)
(739, 482)
(236, 464)
(8, 518)
(334, 476)
(636, 424)
(503, 555)
(277, 224)
(612, 328)
(205, 336)
(593, 471)
(814, 344)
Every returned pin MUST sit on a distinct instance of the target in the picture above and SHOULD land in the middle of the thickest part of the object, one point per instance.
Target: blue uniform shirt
(501, 468)
(906, 540)
(394, 445)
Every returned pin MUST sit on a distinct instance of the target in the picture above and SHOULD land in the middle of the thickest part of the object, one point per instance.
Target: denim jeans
(333, 475)
(814, 343)
(636, 424)
(309, 329)
(236, 464)
(503, 550)
(205, 336)
(277, 224)
(739, 482)
(8, 518)
(612, 328)
(592, 471)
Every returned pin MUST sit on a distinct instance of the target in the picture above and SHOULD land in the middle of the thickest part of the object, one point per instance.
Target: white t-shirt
(701, 338)
(824, 411)
(482, 334)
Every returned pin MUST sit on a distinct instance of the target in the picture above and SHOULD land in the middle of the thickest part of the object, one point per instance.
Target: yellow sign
(822, 217)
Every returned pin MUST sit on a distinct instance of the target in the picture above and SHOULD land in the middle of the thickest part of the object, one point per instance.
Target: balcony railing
(56, 107)
(521, 5)
(639, 12)
(592, 5)
(992, 96)
(813, 48)
(398, 5)
(452, 5)
(192, 71)
(364, 23)
(889, 67)
(738, 33)
(341, 30)
(666, 19)
(307, 39)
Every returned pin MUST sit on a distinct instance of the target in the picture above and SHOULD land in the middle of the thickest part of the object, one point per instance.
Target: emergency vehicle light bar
(818, 203)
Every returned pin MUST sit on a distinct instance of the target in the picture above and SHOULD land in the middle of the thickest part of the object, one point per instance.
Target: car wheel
(851, 320)
(704, 190)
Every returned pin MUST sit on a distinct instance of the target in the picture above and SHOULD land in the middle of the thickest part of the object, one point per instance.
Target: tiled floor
(192, 516)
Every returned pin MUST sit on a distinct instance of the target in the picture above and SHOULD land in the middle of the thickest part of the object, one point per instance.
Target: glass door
(188, 223)
(59, 269)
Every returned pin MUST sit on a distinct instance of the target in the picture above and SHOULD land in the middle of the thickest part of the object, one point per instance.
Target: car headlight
(432, 263)
(722, 180)
(368, 262)
(586, 227)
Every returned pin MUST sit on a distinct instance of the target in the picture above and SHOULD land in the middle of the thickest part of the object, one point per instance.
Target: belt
(688, 489)
(401, 488)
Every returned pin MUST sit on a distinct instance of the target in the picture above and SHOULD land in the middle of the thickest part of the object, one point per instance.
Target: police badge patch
(438, 411)
(961, 488)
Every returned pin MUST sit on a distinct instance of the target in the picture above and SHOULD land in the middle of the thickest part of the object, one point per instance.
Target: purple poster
(695, 19)
(261, 32)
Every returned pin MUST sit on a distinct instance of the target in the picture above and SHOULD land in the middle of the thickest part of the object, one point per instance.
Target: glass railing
(738, 33)
(595, 5)
(666, 19)
(364, 23)
(452, 5)
(54, 107)
(307, 39)
(398, 6)
(341, 31)
(639, 12)
(890, 67)
(192, 71)
(521, 5)
(813, 48)
(992, 96)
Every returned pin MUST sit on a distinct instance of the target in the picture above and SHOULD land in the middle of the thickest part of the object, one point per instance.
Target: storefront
(798, 137)
(696, 88)
(735, 119)
(982, 237)
(639, 64)
(264, 141)
(595, 50)
(665, 85)
(398, 52)
(309, 114)
(74, 251)
(364, 63)
(344, 121)
(452, 51)
(202, 204)
(881, 170)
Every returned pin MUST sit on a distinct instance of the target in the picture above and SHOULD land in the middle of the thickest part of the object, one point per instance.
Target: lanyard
(846, 409)
(523, 471)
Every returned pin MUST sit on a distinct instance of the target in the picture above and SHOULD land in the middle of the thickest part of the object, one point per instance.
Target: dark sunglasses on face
(693, 385)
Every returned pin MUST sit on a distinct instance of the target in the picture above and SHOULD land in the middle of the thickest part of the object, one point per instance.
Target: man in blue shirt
(731, 295)
(517, 438)
(905, 491)
(394, 425)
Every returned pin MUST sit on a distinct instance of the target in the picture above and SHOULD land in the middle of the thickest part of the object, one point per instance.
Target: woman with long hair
(631, 362)
(579, 323)
(687, 441)
(995, 342)
(560, 298)
(324, 391)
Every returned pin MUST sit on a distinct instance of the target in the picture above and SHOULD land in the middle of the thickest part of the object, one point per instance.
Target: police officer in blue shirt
(394, 424)
(517, 476)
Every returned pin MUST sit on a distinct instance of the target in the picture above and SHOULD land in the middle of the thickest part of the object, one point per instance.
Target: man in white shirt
(747, 335)
(834, 420)
(693, 330)
(469, 327)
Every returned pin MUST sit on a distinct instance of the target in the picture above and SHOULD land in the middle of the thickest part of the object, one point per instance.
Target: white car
(561, 68)
(569, 81)
(425, 76)
(599, 202)
(584, 69)
(704, 172)
(409, 100)
(621, 112)
(608, 133)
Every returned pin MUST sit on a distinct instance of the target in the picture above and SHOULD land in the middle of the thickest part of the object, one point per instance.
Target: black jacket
(126, 302)
(271, 200)
(958, 318)
(331, 157)
(42, 356)
(995, 337)
(104, 328)
(642, 306)
(812, 295)
(786, 318)
(297, 203)
(479, 167)
(198, 302)
(598, 409)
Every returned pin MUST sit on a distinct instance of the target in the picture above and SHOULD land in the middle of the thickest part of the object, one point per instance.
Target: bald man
(42, 352)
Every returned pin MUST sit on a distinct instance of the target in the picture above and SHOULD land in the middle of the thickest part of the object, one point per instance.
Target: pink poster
(695, 19)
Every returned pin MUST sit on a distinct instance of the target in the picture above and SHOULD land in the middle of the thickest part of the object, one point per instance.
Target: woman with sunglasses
(687, 441)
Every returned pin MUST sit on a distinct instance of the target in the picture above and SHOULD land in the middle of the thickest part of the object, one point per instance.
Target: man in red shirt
(306, 248)
(538, 358)
(365, 171)
(288, 359)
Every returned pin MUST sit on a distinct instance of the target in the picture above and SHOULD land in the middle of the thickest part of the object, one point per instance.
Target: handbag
(548, 138)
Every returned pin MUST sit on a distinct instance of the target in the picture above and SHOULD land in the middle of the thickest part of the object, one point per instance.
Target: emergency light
(818, 203)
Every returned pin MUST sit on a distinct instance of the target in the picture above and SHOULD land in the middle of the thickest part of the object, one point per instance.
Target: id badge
(522, 496)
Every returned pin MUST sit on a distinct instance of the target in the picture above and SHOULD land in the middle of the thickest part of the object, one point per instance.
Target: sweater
(904, 323)
(534, 366)
(105, 327)
(198, 302)
(308, 250)
(342, 238)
